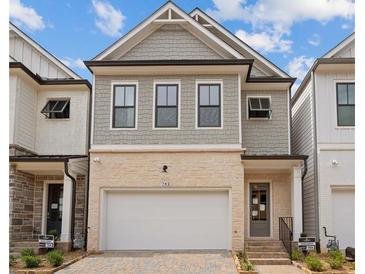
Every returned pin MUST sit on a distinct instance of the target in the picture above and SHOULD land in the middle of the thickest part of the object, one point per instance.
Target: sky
(290, 33)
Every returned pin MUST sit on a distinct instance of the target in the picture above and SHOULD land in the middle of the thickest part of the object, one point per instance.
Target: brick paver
(155, 263)
(278, 269)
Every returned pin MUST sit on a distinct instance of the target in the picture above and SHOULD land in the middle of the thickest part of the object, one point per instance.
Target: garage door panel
(167, 220)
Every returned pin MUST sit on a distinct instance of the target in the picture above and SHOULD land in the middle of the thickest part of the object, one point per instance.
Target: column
(296, 202)
(67, 209)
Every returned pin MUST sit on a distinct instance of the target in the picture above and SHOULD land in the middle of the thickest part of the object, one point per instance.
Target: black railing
(286, 233)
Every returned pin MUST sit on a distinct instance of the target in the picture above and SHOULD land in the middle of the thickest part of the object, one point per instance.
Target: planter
(239, 268)
(332, 271)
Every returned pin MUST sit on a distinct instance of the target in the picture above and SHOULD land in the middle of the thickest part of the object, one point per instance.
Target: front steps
(267, 252)
(17, 246)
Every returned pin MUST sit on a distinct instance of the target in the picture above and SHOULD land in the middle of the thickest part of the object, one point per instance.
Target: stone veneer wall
(21, 189)
(80, 206)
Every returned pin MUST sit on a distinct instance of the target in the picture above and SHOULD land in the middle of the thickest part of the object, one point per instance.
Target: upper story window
(345, 104)
(259, 107)
(209, 105)
(166, 106)
(57, 109)
(124, 106)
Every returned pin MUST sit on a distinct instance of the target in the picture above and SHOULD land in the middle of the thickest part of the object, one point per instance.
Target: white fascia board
(43, 51)
(239, 42)
(340, 46)
(155, 16)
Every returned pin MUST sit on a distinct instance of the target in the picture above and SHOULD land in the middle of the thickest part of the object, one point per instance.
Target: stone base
(64, 246)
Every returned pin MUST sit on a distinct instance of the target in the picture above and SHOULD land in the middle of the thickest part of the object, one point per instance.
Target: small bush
(314, 263)
(242, 256)
(55, 257)
(248, 266)
(31, 261)
(336, 259)
(27, 252)
(12, 260)
(297, 255)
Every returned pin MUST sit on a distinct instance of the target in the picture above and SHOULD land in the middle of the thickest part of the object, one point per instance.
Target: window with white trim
(57, 109)
(124, 106)
(166, 106)
(259, 108)
(345, 104)
(209, 105)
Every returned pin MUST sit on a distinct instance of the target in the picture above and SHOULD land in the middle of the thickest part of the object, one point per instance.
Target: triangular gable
(168, 14)
(44, 52)
(345, 49)
(261, 64)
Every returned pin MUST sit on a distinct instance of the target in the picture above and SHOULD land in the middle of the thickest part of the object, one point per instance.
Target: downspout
(66, 162)
(305, 170)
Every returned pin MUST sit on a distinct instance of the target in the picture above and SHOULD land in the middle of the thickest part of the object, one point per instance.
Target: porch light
(96, 160)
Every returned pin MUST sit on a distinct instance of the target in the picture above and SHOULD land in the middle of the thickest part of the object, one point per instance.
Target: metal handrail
(286, 233)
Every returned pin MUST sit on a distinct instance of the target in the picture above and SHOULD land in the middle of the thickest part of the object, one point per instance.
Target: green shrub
(12, 260)
(314, 263)
(31, 261)
(27, 252)
(55, 257)
(248, 266)
(242, 256)
(297, 255)
(54, 233)
(336, 259)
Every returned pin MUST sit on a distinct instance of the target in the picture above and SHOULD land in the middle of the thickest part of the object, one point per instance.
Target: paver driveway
(203, 262)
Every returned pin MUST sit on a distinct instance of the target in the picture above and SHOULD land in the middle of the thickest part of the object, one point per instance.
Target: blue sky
(289, 33)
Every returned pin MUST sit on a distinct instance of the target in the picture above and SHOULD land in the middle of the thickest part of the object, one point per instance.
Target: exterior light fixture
(164, 168)
(96, 160)
(335, 163)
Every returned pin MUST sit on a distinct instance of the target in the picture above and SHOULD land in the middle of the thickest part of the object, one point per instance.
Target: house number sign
(165, 184)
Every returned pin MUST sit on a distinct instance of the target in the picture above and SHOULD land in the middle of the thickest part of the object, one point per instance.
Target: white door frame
(255, 181)
(102, 208)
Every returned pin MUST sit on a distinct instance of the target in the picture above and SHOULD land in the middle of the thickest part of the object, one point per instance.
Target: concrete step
(265, 254)
(265, 249)
(269, 261)
(24, 244)
(264, 243)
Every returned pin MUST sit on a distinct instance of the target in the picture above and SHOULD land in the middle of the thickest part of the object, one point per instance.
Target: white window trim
(126, 82)
(167, 82)
(207, 81)
(247, 108)
(335, 82)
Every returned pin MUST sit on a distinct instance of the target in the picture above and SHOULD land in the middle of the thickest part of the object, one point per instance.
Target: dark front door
(55, 207)
(259, 210)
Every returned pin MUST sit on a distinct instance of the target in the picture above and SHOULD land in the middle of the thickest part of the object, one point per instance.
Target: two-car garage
(165, 219)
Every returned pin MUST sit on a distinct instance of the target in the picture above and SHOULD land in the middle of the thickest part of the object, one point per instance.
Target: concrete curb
(308, 271)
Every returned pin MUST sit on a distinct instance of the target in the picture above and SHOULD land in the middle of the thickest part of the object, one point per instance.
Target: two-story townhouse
(190, 140)
(323, 110)
(48, 146)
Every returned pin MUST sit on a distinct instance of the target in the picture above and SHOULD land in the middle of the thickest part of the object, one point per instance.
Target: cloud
(265, 42)
(73, 63)
(280, 15)
(299, 66)
(25, 16)
(109, 19)
(315, 40)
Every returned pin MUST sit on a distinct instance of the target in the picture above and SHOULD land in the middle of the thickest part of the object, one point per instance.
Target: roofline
(269, 79)
(319, 61)
(274, 157)
(42, 81)
(50, 55)
(45, 158)
(344, 42)
(240, 41)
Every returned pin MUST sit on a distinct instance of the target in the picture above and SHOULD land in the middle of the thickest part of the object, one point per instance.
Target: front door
(55, 207)
(259, 210)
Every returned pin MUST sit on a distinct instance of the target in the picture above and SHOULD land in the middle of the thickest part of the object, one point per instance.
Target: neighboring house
(48, 145)
(190, 140)
(323, 111)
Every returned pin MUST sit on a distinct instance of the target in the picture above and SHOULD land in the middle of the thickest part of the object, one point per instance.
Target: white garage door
(147, 220)
(343, 216)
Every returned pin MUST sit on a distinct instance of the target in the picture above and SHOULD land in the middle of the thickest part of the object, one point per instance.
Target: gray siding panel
(303, 143)
(266, 136)
(170, 42)
(187, 134)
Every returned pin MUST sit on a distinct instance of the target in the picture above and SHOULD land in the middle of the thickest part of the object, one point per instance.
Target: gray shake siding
(170, 42)
(266, 136)
(187, 134)
(303, 143)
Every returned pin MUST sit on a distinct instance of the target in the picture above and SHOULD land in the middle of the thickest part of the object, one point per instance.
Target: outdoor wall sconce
(164, 168)
(96, 160)
(335, 163)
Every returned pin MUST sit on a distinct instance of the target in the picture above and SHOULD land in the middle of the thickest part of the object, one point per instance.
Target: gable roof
(43, 51)
(183, 17)
(345, 42)
(250, 51)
